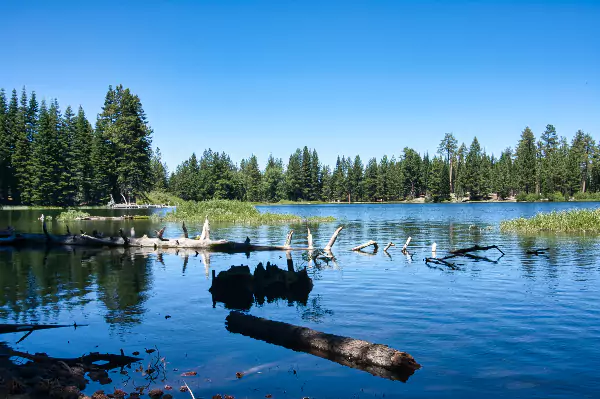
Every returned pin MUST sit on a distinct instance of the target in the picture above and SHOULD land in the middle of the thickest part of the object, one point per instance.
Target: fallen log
(89, 361)
(377, 359)
(367, 244)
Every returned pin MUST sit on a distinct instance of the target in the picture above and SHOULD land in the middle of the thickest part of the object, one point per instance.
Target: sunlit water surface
(526, 326)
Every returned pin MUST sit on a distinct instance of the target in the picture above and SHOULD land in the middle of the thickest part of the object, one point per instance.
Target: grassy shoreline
(568, 221)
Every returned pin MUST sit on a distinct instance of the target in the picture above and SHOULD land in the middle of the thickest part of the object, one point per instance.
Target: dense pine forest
(547, 168)
(51, 157)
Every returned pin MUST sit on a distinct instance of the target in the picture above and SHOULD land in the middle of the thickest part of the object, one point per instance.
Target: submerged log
(377, 359)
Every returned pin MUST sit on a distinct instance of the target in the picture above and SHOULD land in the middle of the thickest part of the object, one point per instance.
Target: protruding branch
(333, 238)
(205, 230)
(288, 238)
(404, 248)
(185, 232)
(389, 244)
(309, 238)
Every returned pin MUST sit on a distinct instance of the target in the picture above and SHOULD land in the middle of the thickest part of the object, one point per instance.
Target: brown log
(376, 359)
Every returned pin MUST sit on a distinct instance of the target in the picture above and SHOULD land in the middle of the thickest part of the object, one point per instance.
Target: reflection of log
(288, 239)
(366, 244)
(90, 360)
(377, 359)
(439, 261)
(309, 238)
(237, 288)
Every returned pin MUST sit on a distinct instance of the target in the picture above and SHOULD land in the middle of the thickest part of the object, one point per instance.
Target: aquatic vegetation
(72, 214)
(574, 220)
(232, 211)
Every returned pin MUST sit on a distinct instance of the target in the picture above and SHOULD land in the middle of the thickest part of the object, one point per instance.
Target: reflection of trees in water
(36, 283)
(314, 310)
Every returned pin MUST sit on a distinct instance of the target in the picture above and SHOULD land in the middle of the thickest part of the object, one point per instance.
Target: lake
(524, 326)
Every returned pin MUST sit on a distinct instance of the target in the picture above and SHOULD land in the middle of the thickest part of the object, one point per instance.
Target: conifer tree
(273, 189)
(4, 148)
(82, 153)
(525, 162)
(370, 180)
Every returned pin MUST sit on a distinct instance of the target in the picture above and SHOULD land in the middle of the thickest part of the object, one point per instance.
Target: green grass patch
(232, 211)
(161, 198)
(72, 214)
(571, 221)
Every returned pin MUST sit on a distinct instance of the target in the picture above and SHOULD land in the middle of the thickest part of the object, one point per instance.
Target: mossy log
(377, 359)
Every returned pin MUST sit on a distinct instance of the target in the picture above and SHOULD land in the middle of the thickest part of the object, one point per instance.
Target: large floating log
(15, 328)
(377, 359)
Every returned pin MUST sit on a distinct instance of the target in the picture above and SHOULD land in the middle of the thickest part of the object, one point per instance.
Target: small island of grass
(570, 221)
(232, 211)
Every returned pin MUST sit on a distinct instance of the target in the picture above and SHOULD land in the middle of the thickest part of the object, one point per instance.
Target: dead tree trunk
(366, 244)
(333, 238)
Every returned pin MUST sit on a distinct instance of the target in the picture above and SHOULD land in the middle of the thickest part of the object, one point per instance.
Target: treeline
(49, 157)
(550, 167)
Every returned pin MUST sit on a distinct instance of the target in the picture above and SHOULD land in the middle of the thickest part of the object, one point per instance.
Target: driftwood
(376, 359)
(405, 246)
(367, 244)
(237, 288)
(203, 242)
(388, 245)
(333, 238)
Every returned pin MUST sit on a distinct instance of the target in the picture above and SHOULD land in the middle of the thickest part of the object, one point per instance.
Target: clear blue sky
(344, 77)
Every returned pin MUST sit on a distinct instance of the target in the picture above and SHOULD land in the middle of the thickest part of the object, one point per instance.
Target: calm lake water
(526, 326)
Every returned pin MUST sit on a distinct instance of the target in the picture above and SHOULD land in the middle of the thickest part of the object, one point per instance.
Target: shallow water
(526, 326)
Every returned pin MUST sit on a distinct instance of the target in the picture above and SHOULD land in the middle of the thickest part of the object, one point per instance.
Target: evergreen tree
(382, 179)
(395, 180)
(160, 171)
(293, 176)
(69, 161)
(447, 148)
(15, 126)
(473, 171)
(327, 183)
(439, 177)
(251, 179)
(273, 189)
(370, 180)
(525, 162)
(315, 177)
(582, 155)
(82, 153)
(549, 145)
(412, 172)
(307, 181)
(503, 181)
(4, 148)
(356, 179)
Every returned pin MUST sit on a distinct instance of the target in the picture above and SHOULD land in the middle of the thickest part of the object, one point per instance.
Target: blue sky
(345, 77)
